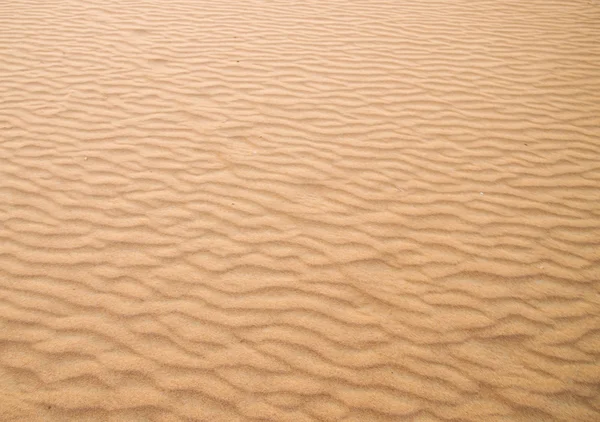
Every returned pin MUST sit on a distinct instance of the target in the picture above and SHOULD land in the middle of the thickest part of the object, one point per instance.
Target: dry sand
(299, 210)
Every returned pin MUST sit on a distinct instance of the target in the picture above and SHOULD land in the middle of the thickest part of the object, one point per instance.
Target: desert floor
(269, 210)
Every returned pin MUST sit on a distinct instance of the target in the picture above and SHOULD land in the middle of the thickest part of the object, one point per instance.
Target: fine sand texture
(277, 210)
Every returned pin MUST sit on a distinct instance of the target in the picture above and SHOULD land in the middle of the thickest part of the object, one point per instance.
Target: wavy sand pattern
(300, 210)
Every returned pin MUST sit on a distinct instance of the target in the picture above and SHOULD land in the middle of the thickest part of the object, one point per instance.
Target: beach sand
(274, 210)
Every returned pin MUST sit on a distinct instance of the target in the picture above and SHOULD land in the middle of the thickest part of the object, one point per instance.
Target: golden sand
(274, 210)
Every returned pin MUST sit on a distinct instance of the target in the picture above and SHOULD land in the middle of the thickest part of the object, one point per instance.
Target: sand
(275, 210)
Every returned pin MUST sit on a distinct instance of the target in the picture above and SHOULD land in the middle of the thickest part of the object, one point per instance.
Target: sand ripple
(300, 211)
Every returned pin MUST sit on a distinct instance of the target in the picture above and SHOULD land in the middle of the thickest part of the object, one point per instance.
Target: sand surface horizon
(273, 210)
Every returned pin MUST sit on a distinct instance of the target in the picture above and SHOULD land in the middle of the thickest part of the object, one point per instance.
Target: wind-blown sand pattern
(300, 210)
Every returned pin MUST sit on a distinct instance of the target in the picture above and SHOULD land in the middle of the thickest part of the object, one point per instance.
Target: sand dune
(274, 210)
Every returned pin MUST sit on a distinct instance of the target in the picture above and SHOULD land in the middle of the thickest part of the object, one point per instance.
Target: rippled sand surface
(273, 210)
